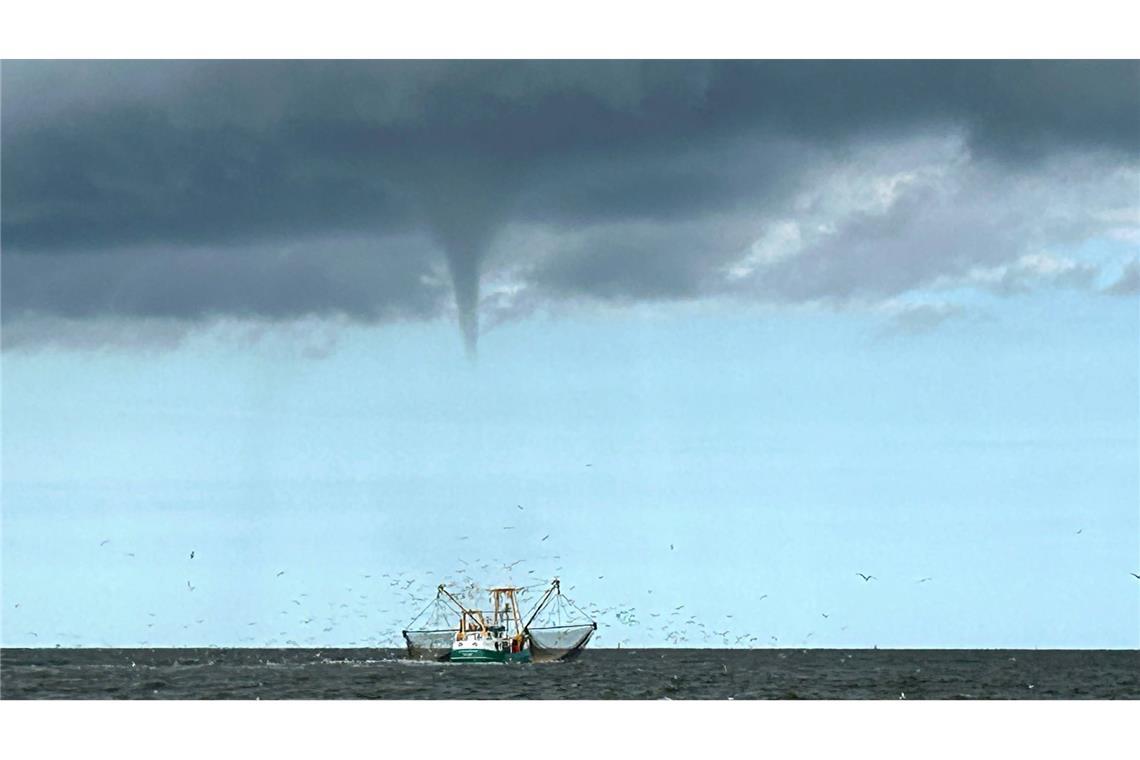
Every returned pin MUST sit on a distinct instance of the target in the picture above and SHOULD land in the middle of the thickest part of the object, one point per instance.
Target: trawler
(556, 629)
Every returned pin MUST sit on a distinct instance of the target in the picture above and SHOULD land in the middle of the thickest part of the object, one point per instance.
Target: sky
(713, 334)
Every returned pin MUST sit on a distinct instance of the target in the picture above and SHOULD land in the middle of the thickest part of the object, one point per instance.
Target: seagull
(866, 577)
(825, 614)
(280, 573)
(1079, 531)
(545, 537)
(189, 586)
(105, 541)
(520, 506)
(670, 547)
(1134, 575)
(765, 596)
(191, 555)
(924, 580)
(589, 465)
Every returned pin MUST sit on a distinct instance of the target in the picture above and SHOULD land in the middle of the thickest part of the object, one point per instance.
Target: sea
(598, 674)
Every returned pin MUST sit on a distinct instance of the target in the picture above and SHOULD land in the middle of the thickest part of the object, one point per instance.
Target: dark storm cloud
(370, 280)
(286, 189)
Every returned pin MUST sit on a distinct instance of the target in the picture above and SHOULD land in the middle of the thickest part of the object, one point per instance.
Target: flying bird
(280, 573)
(104, 542)
(924, 580)
(191, 555)
(189, 586)
(520, 506)
(866, 577)
(765, 596)
(1134, 575)
(825, 614)
(545, 537)
(670, 547)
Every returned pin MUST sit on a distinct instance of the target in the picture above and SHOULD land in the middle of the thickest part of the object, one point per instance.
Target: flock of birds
(400, 594)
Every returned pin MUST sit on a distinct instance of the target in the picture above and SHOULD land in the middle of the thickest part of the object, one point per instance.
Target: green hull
(485, 655)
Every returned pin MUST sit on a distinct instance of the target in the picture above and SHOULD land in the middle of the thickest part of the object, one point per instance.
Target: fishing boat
(556, 629)
(502, 639)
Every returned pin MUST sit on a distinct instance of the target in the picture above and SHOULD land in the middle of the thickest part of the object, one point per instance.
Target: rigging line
(571, 603)
(425, 609)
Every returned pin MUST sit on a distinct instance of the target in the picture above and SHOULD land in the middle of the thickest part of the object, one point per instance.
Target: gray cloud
(1128, 284)
(280, 190)
(913, 319)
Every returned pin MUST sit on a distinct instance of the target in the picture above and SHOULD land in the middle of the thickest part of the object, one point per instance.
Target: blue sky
(725, 333)
(778, 453)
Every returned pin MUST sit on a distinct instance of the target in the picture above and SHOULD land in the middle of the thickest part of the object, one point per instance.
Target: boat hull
(474, 656)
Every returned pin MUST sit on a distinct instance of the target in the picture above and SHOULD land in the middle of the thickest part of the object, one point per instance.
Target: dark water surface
(597, 674)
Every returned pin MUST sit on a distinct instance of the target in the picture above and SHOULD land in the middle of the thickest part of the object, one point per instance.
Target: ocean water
(598, 674)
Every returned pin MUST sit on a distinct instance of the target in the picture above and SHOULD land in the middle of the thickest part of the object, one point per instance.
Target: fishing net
(554, 644)
(431, 634)
(559, 631)
(429, 645)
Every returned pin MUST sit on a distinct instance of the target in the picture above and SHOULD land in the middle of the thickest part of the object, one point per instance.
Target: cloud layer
(375, 191)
